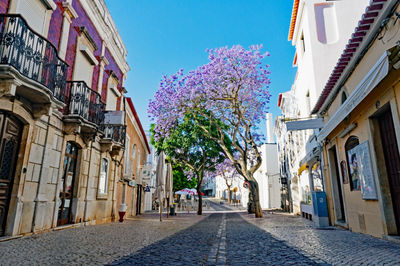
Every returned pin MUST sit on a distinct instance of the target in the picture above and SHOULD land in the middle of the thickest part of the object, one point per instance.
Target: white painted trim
(299, 19)
(367, 84)
(114, 89)
(50, 4)
(97, 11)
(68, 7)
(89, 54)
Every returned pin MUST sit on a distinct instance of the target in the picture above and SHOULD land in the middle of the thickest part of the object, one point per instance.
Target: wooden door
(139, 199)
(392, 160)
(67, 185)
(10, 132)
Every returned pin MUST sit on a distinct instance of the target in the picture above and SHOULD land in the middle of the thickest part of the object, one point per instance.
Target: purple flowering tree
(231, 92)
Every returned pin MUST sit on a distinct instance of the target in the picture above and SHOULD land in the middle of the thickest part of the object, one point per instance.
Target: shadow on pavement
(187, 247)
(249, 245)
(246, 245)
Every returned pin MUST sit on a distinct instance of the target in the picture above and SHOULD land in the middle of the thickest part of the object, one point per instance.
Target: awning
(305, 124)
(302, 168)
(368, 83)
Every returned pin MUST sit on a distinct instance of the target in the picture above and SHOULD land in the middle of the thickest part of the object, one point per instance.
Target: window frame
(103, 193)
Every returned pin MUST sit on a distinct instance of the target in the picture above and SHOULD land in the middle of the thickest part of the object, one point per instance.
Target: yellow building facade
(361, 135)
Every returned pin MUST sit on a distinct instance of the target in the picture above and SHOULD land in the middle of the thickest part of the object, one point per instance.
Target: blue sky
(163, 36)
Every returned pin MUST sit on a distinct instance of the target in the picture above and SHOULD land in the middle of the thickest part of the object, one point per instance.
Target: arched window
(103, 180)
(352, 164)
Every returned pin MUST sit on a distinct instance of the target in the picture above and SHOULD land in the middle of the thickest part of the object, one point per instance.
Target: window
(85, 59)
(133, 150)
(303, 46)
(103, 181)
(352, 142)
(127, 145)
(138, 163)
(344, 96)
(83, 69)
(34, 12)
(112, 94)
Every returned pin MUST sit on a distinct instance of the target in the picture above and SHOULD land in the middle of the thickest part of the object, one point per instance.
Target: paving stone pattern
(92, 245)
(334, 246)
(187, 247)
(221, 238)
(250, 245)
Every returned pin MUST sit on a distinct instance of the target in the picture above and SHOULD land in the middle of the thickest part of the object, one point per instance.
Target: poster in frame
(360, 166)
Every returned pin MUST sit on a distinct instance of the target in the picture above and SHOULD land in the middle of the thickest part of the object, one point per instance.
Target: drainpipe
(37, 198)
(87, 183)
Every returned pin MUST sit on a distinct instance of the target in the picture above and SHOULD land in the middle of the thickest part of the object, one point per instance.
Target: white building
(149, 175)
(267, 175)
(319, 30)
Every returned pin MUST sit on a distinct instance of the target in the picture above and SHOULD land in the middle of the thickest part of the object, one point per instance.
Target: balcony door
(67, 184)
(10, 132)
(34, 12)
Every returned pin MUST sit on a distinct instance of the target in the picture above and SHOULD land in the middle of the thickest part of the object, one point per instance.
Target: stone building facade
(62, 125)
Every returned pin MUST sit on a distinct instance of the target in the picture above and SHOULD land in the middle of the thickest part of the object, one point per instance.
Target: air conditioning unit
(114, 117)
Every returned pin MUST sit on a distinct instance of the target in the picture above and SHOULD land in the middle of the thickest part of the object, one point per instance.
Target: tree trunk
(254, 191)
(229, 194)
(251, 208)
(200, 208)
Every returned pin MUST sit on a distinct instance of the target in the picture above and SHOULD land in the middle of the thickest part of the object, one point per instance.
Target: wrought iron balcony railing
(31, 55)
(84, 102)
(115, 133)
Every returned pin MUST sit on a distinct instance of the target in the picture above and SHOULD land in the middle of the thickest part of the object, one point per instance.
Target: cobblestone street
(220, 238)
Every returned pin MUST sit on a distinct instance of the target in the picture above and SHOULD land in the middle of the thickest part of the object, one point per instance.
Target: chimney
(270, 128)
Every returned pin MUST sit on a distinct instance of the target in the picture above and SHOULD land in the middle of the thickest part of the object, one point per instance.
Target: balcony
(29, 64)
(84, 107)
(114, 131)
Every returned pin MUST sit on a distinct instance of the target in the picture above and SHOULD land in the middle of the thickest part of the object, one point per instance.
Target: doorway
(67, 184)
(392, 159)
(139, 199)
(336, 186)
(10, 134)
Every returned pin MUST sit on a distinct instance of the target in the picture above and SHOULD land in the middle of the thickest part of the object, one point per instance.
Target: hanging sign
(305, 124)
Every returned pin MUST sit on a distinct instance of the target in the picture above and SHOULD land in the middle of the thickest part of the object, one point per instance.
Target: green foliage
(180, 180)
(189, 147)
